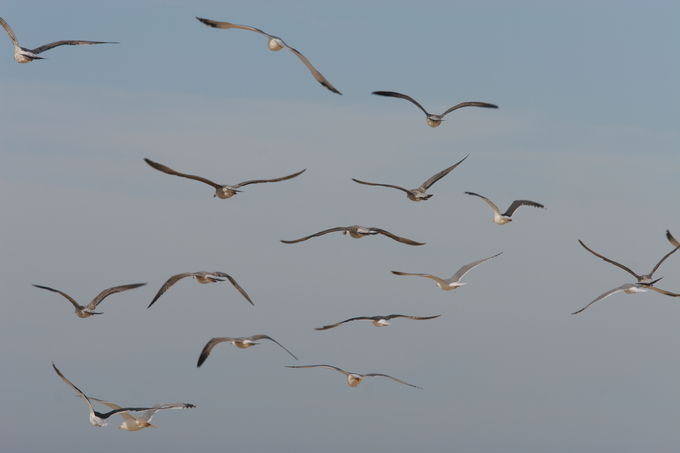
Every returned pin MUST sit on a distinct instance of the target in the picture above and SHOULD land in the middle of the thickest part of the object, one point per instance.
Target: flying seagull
(137, 422)
(24, 55)
(98, 418)
(644, 280)
(88, 310)
(354, 379)
(419, 193)
(201, 277)
(435, 120)
(240, 342)
(221, 191)
(275, 43)
(628, 288)
(453, 282)
(504, 218)
(378, 321)
(672, 239)
(357, 232)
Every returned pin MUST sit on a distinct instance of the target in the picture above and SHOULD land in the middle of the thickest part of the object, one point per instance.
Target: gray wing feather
(75, 304)
(170, 171)
(518, 203)
(258, 181)
(260, 337)
(397, 238)
(468, 267)
(320, 233)
(207, 349)
(51, 45)
(610, 261)
(426, 185)
(393, 94)
(469, 104)
(107, 292)
(609, 293)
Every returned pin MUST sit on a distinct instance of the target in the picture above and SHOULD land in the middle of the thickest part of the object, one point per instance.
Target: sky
(587, 125)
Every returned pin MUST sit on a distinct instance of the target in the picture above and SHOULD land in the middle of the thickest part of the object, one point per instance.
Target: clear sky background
(587, 125)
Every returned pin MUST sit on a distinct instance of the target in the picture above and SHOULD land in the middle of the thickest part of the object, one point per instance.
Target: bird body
(274, 43)
(432, 119)
(506, 217)
(453, 282)
(88, 310)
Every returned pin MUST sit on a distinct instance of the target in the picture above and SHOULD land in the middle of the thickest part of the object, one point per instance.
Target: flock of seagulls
(137, 418)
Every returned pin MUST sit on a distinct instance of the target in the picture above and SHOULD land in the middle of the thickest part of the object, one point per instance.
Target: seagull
(354, 379)
(504, 218)
(98, 418)
(24, 55)
(435, 120)
(628, 288)
(138, 422)
(644, 280)
(88, 310)
(222, 191)
(240, 342)
(357, 232)
(672, 239)
(453, 282)
(201, 277)
(378, 321)
(419, 193)
(275, 43)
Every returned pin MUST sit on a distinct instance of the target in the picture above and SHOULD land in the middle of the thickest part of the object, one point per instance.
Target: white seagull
(98, 418)
(88, 310)
(645, 280)
(354, 379)
(378, 321)
(239, 342)
(275, 43)
(201, 277)
(221, 191)
(434, 120)
(628, 288)
(504, 218)
(357, 232)
(672, 240)
(137, 422)
(24, 55)
(419, 193)
(453, 282)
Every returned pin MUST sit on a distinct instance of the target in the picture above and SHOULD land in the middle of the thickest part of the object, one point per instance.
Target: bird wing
(320, 233)
(672, 239)
(359, 318)
(51, 45)
(207, 349)
(469, 104)
(125, 415)
(661, 291)
(260, 337)
(397, 238)
(435, 278)
(258, 181)
(170, 171)
(468, 267)
(321, 366)
(107, 292)
(491, 203)
(517, 203)
(236, 285)
(393, 94)
(226, 25)
(426, 185)
(610, 261)
(382, 185)
(390, 377)
(171, 281)
(410, 317)
(317, 75)
(82, 395)
(9, 31)
(663, 259)
(609, 293)
(148, 415)
(75, 304)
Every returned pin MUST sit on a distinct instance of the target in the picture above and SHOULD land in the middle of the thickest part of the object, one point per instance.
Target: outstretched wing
(397, 238)
(170, 171)
(226, 25)
(320, 366)
(491, 203)
(426, 185)
(393, 94)
(672, 239)
(518, 203)
(609, 261)
(625, 287)
(420, 318)
(390, 377)
(267, 337)
(382, 185)
(75, 304)
(469, 104)
(359, 318)
(320, 233)
(171, 281)
(107, 292)
(661, 291)
(317, 75)
(663, 259)
(433, 277)
(236, 285)
(51, 45)
(207, 349)
(258, 181)
(9, 31)
(468, 267)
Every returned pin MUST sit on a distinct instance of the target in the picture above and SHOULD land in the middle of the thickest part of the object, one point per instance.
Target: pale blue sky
(587, 125)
